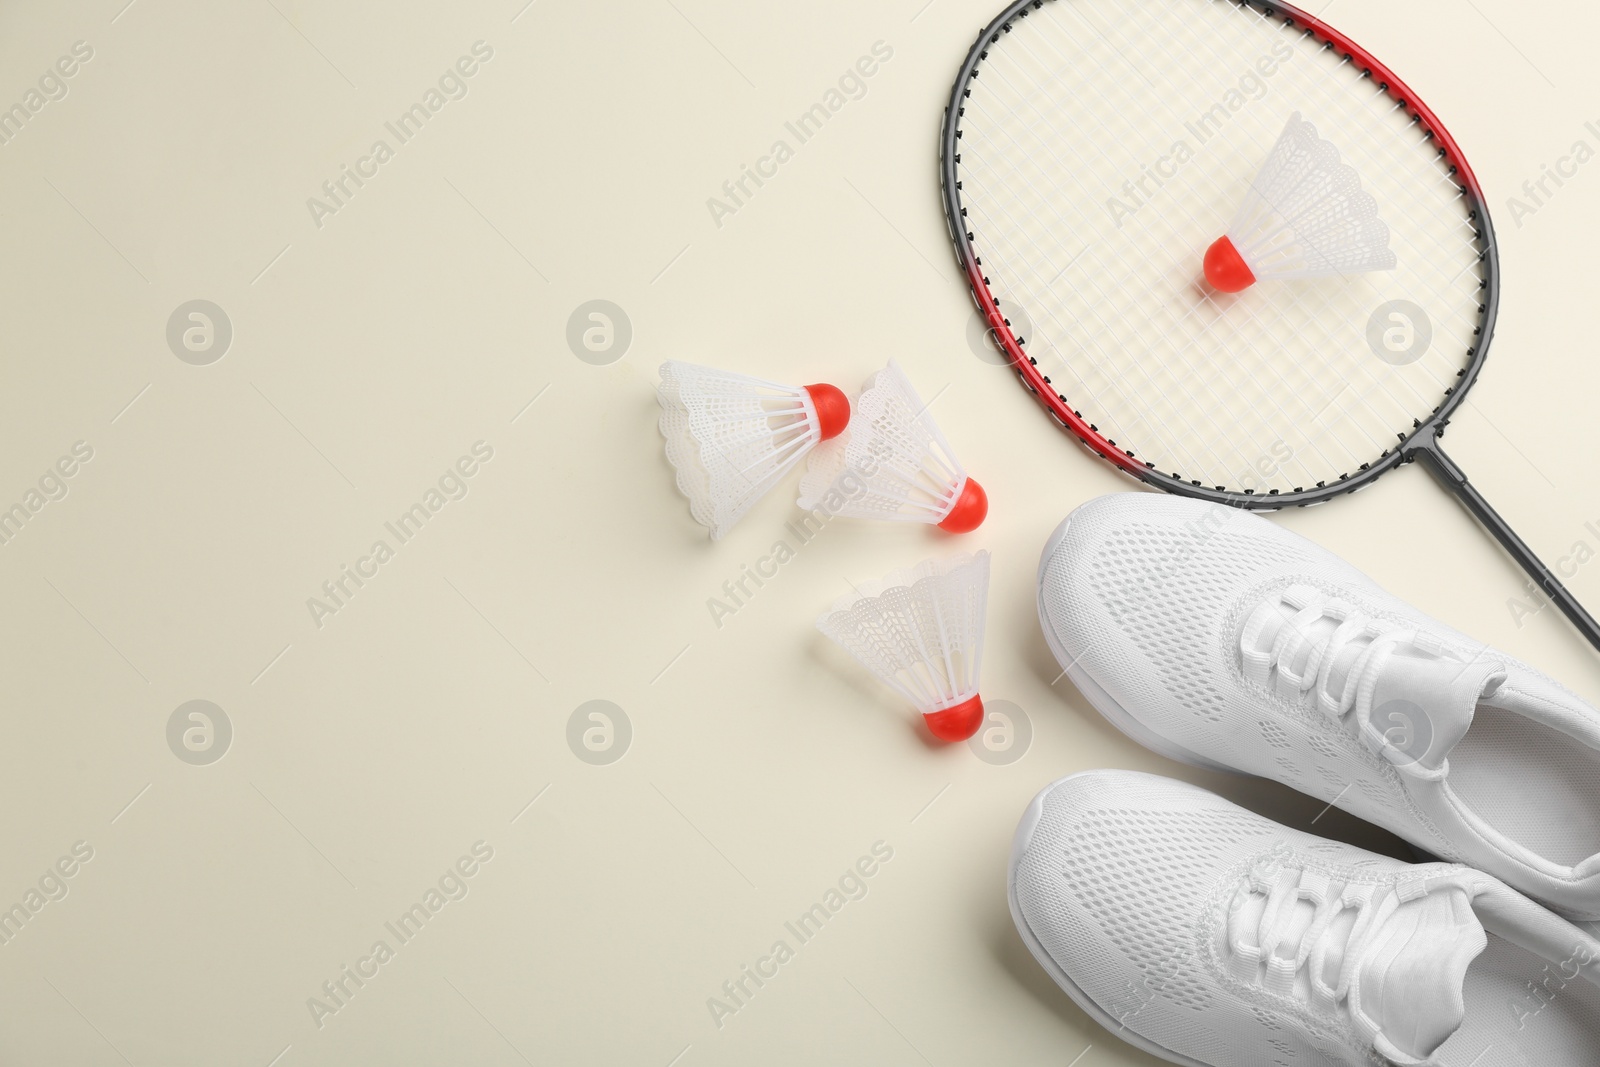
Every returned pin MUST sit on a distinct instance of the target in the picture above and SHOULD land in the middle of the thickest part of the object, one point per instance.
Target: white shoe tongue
(1413, 979)
(1424, 704)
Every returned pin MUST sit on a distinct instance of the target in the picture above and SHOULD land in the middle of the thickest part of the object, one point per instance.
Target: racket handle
(1451, 477)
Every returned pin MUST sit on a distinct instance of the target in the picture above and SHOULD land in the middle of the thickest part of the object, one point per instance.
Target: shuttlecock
(732, 437)
(893, 463)
(1305, 216)
(921, 632)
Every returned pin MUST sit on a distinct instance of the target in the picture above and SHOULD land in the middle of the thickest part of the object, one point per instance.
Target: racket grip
(1452, 478)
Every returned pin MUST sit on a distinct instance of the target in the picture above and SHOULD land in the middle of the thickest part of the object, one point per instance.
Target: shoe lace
(1280, 946)
(1327, 648)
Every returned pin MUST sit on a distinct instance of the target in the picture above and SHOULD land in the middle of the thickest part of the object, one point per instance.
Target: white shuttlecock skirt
(919, 631)
(1306, 214)
(731, 438)
(892, 463)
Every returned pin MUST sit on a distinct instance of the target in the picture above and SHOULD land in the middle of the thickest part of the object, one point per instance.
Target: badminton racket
(1093, 151)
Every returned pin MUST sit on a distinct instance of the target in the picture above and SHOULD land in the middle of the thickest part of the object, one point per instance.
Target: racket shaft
(1452, 478)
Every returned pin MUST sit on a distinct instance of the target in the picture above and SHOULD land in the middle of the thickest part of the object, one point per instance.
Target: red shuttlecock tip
(833, 409)
(956, 723)
(1226, 269)
(970, 509)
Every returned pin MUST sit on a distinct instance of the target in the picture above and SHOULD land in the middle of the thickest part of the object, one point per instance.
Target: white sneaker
(1211, 937)
(1217, 638)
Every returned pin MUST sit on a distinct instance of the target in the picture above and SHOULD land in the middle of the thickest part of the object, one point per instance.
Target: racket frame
(1060, 406)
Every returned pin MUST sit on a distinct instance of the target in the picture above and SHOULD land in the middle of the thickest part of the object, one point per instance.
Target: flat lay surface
(352, 602)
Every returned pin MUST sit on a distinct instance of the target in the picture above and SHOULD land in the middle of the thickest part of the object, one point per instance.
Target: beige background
(368, 354)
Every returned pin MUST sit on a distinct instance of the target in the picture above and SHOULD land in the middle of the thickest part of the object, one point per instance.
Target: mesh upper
(1141, 916)
(1140, 578)
(1147, 595)
(1120, 884)
(1125, 880)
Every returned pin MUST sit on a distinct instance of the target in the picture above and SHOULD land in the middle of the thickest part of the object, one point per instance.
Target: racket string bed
(1091, 338)
(1437, 249)
(1365, 366)
(1190, 368)
(1116, 382)
(1097, 277)
(1314, 398)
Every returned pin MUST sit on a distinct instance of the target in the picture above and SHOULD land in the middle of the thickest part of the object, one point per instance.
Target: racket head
(1472, 324)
